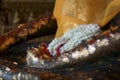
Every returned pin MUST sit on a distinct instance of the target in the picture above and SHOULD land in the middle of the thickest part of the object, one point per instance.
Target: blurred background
(15, 12)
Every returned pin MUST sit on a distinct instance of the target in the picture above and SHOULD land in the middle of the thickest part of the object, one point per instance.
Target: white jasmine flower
(74, 37)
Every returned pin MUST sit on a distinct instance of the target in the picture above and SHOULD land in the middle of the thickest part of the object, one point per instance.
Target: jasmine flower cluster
(74, 37)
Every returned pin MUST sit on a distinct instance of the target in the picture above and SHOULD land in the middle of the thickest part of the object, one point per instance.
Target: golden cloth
(70, 13)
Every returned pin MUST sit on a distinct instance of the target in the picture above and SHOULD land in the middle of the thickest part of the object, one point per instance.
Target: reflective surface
(13, 65)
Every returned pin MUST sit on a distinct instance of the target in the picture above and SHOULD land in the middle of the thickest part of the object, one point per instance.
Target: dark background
(14, 12)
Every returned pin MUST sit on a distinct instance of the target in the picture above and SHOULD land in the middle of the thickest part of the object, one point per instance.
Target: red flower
(58, 50)
(44, 45)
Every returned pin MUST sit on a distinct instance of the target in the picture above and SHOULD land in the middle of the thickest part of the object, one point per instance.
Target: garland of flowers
(73, 38)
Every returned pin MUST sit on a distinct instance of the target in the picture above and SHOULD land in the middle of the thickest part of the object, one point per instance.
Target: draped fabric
(71, 13)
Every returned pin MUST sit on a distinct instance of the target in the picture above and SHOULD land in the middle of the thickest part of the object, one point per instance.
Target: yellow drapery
(70, 13)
